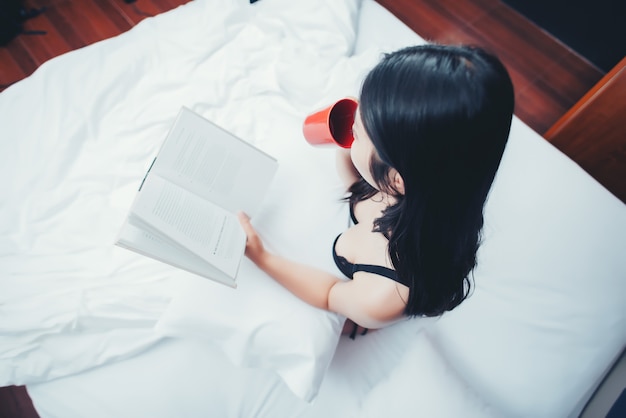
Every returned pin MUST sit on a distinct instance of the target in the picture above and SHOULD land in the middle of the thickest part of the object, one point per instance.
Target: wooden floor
(69, 25)
(549, 78)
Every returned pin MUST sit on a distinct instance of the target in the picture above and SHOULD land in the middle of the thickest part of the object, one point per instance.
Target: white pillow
(258, 325)
(547, 317)
(424, 385)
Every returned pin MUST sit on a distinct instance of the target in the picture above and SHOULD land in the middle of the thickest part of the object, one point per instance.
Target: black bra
(348, 269)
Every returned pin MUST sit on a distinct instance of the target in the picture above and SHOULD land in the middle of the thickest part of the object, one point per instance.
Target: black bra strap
(380, 270)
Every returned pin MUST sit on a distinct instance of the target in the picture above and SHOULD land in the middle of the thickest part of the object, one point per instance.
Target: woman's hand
(255, 250)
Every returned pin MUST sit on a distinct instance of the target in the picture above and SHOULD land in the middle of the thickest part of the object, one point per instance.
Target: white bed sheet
(71, 300)
(193, 388)
(162, 382)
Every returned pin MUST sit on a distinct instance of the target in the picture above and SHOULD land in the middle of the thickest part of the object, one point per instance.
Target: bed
(94, 330)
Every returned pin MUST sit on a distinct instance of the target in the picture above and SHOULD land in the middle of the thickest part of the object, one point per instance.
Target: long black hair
(439, 115)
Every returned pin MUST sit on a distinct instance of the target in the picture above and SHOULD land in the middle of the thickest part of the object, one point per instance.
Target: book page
(163, 249)
(205, 229)
(214, 164)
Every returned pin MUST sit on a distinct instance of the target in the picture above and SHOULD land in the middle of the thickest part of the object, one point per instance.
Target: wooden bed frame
(593, 132)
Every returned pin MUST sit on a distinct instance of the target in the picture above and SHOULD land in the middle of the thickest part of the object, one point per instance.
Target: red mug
(332, 125)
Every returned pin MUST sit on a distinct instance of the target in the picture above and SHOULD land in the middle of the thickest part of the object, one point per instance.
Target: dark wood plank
(140, 10)
(537, 106)
(118, 8)
(425, 18)
(77, 17)
(10, 70)
(572, 76)
(164, 4)
(103, 25)
(593, 132)
(467, 12)
(21, 57)
(43, 47)
(111, 9)
(64, 26)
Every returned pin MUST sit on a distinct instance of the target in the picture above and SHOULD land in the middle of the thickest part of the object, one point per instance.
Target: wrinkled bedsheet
(77, 136)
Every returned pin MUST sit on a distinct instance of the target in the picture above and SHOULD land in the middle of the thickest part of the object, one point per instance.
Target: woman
(429, 134)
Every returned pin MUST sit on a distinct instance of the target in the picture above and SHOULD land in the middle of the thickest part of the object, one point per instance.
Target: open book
(185, 211)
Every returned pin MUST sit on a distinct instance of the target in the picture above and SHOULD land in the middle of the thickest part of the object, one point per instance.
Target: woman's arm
(346, 170)
(366, 300)
(310, 284)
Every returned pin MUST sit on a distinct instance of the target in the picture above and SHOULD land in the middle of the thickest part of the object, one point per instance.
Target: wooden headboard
(593, 131)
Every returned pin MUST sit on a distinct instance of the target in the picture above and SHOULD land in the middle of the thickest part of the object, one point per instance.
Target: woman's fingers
(244, 220)
(254, 245)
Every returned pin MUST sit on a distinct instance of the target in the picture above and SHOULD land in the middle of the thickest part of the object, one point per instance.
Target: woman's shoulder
(378, 298)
